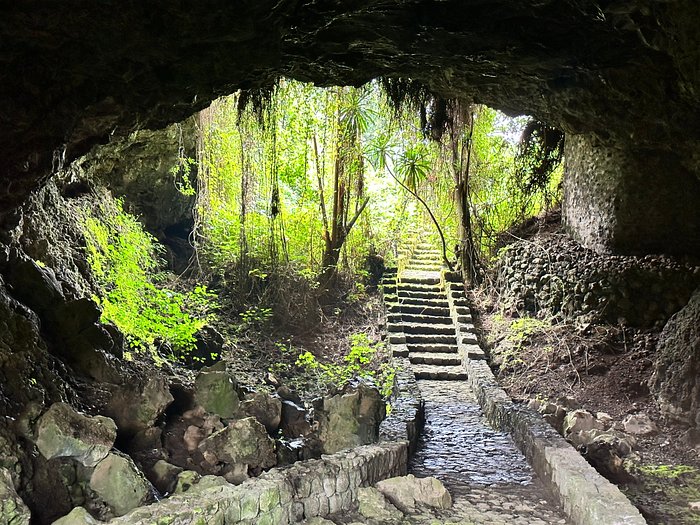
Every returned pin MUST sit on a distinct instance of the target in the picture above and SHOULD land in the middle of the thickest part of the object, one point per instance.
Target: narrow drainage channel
(490, 481)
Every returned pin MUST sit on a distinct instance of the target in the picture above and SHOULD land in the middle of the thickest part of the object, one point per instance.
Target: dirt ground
(601, 369)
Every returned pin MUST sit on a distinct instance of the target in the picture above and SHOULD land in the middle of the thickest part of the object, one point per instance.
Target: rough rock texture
(408, 491)
(555, 275)
(13, 511)
(625, 72)
(622, 201)
(78, 516)
(350, 418)
(216, 391)
(118, 482)
(676, 378)
(244, 441)
(265, 408)
(155, 174)
(135, 405)
(63, 432)
(373, 505)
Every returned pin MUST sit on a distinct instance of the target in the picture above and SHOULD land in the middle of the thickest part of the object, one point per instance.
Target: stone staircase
(428, 319)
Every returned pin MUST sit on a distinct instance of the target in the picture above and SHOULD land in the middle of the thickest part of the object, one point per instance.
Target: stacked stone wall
(284, 495)
(555, 276)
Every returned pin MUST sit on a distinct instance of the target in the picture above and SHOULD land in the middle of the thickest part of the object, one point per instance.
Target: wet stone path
(490, 481)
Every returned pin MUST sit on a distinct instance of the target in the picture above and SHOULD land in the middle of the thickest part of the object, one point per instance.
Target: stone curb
(586, 497)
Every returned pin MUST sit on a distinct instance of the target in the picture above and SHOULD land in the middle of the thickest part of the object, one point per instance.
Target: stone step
(420, 287)
(421, 301)
(427, 339)
(437, 294)
(471, 351)
(399, 351)
(421, 278)
(468, 339)
(466, 328)
(428, 319)
(438, 348)
(421, 309)
(434, 358)
(464, 319)
(446, 373)
(426, 328)
(424, 265)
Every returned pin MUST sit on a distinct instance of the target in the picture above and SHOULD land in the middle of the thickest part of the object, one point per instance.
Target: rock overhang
(624, 72)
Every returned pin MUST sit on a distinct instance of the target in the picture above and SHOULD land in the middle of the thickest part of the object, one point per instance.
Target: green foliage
(256, 317)
(523, 328)
(666, 471)
(135, 297)
(182, 173)
(360, 362)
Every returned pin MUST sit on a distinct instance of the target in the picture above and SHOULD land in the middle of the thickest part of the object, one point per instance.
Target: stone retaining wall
(282, 495)
(556, 276)
(586, 497)
(407, 416)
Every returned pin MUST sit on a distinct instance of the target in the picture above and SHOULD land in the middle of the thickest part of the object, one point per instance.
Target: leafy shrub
(358, 363)
(126, 263)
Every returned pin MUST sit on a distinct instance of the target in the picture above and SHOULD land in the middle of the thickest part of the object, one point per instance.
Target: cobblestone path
(490, 481)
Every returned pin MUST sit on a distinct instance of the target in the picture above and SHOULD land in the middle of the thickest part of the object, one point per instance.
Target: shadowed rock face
(623, 72)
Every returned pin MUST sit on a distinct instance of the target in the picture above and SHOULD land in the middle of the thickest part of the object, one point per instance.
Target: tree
(348, 198)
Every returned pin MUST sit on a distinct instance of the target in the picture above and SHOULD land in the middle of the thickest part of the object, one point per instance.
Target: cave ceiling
(84, 72)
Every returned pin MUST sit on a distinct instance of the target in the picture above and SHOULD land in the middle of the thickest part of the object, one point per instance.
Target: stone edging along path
(281, 496)
(586, 497)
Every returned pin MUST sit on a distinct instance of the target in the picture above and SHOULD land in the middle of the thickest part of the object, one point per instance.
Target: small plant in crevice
(136, 296)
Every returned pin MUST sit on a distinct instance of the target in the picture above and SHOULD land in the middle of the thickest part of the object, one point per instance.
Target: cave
(619, 77)
(109, 85)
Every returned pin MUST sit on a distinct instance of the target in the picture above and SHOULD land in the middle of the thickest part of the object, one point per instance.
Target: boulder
(118, 482)
(216, 391)
(164, 476)
(137, 404)
(265, 408)
(244, 441)
(675, 381)
(351, 418)
(406, 492)
(639, 425)
(186, 480)
(293, 420)
(78, 516)
(374, 506)
(620, 443)
(13, 510)
(63, 432)
(579, 421)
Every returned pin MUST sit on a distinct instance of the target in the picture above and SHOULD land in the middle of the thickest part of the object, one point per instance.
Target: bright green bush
(127, 265)
(358, 363)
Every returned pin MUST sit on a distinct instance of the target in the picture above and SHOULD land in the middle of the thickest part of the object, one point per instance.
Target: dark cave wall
(622, 71)
(633, 202)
